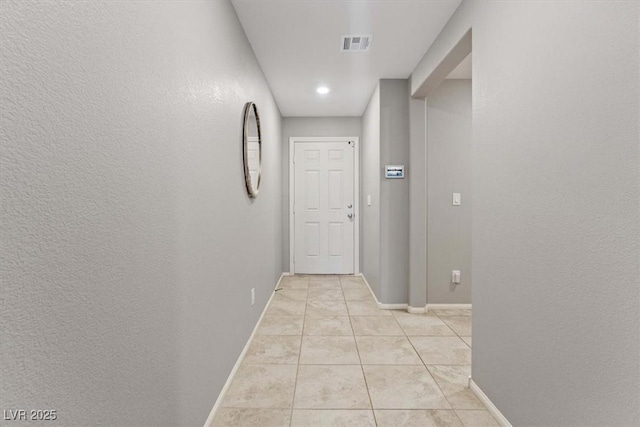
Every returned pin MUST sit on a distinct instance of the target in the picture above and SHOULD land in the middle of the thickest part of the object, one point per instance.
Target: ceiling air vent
(355, 43)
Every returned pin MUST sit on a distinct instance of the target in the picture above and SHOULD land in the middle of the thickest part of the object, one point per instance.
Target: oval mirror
(252, 142)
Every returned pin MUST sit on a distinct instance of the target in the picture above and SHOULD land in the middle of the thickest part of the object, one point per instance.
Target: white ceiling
(297, 43)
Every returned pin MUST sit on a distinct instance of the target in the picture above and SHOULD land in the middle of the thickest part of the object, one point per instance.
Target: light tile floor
(325, 355)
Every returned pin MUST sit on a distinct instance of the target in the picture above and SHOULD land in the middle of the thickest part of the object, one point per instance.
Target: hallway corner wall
(129, 246)
(394, 193)
(370, 183)
(556, 221)
(449, 170)
(417, 202)
(386, 222)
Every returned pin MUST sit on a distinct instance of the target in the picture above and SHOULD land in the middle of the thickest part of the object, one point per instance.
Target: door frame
(356, 194)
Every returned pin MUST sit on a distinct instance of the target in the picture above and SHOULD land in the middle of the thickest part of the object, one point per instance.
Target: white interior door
(324, 207)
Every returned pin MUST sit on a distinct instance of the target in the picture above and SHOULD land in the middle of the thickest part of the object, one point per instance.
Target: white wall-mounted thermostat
(394, 171)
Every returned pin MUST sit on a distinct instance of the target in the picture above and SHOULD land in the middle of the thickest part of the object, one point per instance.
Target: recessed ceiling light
(322, 90)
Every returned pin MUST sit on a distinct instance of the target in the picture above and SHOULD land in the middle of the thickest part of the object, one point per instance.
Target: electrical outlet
(253, 296)
(455, 276)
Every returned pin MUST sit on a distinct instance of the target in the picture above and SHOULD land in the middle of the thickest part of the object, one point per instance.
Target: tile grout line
(403, 334)
(295, 383)
(366, 385)
(445, 396)
(458, 335)
(430, 374)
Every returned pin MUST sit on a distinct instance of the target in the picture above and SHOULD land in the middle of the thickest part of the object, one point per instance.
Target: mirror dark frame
(250, 108)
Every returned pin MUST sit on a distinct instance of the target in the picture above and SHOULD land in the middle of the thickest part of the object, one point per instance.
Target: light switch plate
(456, 199)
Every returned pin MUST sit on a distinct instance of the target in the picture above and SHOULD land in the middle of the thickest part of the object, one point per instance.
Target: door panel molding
(356, 188)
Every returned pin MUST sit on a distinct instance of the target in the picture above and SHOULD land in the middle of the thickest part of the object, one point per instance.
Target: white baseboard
(380, 305)
(448, 307)
(234, 371)
(277, 288)
(416, 310)
(501, 419)
(392, 306)
(412, 310)
(369, 287)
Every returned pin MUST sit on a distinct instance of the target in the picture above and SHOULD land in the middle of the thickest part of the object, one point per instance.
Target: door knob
(349, 205)
(349, 215)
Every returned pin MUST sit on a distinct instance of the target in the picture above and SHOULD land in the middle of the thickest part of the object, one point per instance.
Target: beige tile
(461, 325)
(357, 294)
(326, 308)
(375, 325)
(467, 340)
(276, 349)
(477, 418)
(451, 312)
(417, 418)
(281, 325)
(387, 351)
(404, 313)
(326, 294)
(318, 350)
(324, 281)
(331, 387)
(332, 417)
(291, 295)
(355, 287)
(251, 417)
(403, 387)
(327, 325)
(366, 308)
(401, 313)
(325, 287)
(453, 380)
(294, 282)
(262, 386)
(286, 308)
(419, 325)
(324, 277)
(442, 350)
(348, 281)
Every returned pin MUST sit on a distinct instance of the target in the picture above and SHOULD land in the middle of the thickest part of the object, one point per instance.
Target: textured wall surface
(309, 126)
(449, 170)
(370, 183)
(394, 193)
(129, 246)
(417, 203)
(556, 221)
(385, 237)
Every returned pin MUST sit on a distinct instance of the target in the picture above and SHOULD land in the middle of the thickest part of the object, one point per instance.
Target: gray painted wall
(556, 221)
(126, 228)
(370, 183)
(394, 193)
(418, 203)
(385, 237)
(309, 126)
(449, 170)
